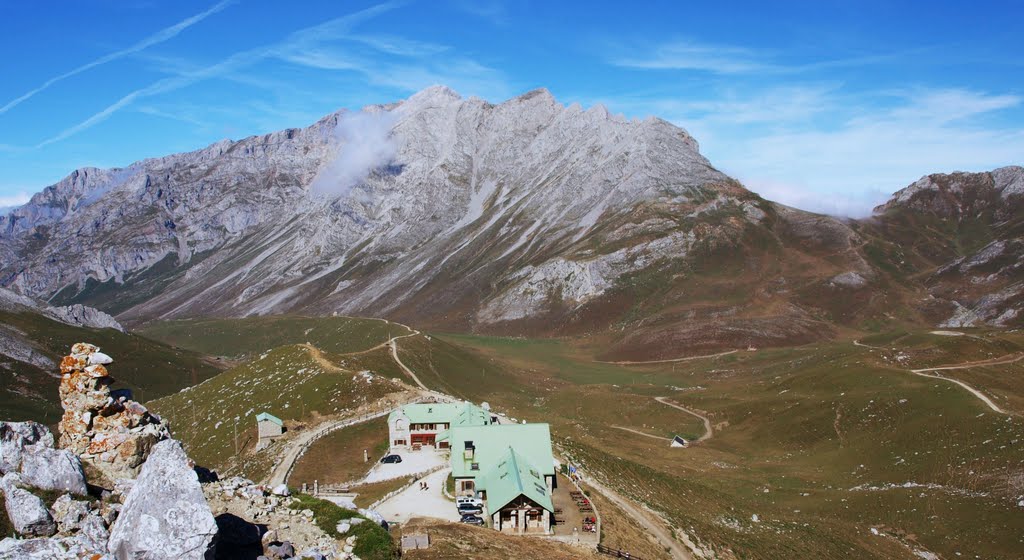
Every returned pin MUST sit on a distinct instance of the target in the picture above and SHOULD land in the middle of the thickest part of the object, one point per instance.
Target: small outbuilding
(678, 441)
(269, 427)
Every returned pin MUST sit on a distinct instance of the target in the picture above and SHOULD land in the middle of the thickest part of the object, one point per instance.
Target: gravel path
(994, 362)
(413, 502)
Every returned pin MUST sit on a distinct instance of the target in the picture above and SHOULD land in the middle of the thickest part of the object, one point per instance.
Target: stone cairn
(105, 428)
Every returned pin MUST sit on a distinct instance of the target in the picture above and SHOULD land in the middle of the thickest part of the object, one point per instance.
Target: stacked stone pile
(163, 513)
(105, 428)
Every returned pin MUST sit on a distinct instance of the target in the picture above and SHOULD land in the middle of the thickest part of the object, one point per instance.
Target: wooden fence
(616, 553)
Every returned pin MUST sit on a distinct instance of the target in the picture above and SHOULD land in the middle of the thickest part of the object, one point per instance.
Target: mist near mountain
(364, 143)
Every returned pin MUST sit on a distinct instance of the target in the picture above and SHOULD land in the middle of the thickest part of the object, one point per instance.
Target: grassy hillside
(240, 338)
(821, 443)
(829, 450)
(338, 457)
(216, 420)
(149, 368)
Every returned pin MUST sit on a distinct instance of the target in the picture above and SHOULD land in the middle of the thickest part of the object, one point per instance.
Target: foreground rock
(53, 469)
(26, 448)
(27, 512)
(165, 515)
(14, 437)
(106, 429)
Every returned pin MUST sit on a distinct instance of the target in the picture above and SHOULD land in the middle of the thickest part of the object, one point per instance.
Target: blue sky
(825, 105)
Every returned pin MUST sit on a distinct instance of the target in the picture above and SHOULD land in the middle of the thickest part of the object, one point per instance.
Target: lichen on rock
(111, 432)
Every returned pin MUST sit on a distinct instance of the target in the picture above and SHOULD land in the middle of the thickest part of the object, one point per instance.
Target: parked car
(472, 520)
(391, 459)
(470, 509)
(468, 500)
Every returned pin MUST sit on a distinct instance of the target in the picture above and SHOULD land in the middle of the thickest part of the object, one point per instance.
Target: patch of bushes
(373, 542)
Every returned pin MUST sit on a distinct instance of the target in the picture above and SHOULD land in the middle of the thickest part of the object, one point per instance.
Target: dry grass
(366, 494)
(338, 457)
(621, 532)
(454, 540)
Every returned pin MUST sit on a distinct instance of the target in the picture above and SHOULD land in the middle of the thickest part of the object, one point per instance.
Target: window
(474, 466)
(399, 424)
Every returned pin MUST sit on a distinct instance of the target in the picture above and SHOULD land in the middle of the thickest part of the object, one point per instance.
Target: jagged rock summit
(526, 216)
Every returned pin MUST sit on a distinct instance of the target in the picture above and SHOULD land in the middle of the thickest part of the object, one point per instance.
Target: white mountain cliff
(522, 215)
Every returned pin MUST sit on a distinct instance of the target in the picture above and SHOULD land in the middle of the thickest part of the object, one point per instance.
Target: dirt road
(671, 360)
(639, 433)
(1008, 359)
(708, 431)
(394, 354)
(648, 519)
(299, 445)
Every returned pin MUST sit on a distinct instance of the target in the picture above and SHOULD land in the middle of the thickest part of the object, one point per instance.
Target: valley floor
(829, 450)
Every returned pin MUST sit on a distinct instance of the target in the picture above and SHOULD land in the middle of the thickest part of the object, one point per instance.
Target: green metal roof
(515, 476)
(454, 414)
(268, 416)
(531, 441)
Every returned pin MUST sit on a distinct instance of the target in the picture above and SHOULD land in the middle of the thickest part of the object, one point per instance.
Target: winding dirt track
(1008, 359)
(708, 431)
(671, 360)
(279, 475)
(639, 433)
(653, 522)
(409, 372)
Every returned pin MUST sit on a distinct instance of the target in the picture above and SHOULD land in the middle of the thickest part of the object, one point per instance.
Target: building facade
(422, 423)
(509, 466)
(268, 427)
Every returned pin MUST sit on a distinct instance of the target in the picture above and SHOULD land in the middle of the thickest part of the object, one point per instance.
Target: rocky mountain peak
(959, 194)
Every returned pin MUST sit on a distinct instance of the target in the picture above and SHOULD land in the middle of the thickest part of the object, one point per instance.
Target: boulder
(281, 490)
(52, 469)
(14, 436)
(165, 515)
(93, 533)
(35, 549)
(282, 551)
(27, 512)
(69, 514)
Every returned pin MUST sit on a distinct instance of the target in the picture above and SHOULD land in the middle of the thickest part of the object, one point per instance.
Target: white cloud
(154, 39)
(719, 59)
(822, 149)
(688, 55)
(877, 151)
(12, 201)
(314, 47)
(365, 144)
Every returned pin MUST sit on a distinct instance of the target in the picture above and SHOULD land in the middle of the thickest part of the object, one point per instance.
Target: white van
(469, 501)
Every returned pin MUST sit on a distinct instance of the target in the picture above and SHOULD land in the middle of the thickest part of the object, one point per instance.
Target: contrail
(156, 38)
(298, 40)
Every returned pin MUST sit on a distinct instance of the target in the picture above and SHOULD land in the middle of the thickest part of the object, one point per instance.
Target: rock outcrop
(14, 437)
(27, 512)
(83, 316)
(165, 515)
(26, 448)
(107, 430)
(53, 469)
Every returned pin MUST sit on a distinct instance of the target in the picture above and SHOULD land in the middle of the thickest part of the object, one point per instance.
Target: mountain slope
(525, 216)
(34, 337)
(961, 235)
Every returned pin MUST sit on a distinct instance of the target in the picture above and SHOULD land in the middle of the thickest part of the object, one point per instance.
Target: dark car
(472, 520)
(392, 459)
(470, 509)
